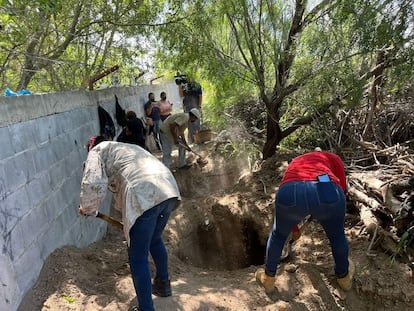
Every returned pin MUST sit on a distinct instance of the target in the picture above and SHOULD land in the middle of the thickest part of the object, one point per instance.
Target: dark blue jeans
(325, 201)
(146, 237)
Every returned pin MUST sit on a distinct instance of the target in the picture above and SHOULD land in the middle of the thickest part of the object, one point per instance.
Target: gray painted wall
(42, 140)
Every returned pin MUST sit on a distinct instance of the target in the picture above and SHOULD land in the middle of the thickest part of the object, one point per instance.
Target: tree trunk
(273, 138)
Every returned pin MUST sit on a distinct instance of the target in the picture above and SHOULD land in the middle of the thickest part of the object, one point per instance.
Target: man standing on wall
(192, 95)
(146, 193)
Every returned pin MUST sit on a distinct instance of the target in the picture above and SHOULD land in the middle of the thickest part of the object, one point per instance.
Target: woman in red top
(314, 184)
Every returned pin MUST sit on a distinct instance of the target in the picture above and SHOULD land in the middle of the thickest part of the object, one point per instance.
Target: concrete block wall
(42, 139)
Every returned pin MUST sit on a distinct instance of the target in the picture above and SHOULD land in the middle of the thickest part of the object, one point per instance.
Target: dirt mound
(216, 241)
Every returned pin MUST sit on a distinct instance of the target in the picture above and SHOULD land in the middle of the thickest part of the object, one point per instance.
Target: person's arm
(180, 90)
(174, 131)
(94, 185)
(148, 109)
(200, 96)
(170, 106)
(200, 100)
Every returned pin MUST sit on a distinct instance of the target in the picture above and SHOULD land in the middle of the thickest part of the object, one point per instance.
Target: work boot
(161, 288)
(268, 282)
(346, 281)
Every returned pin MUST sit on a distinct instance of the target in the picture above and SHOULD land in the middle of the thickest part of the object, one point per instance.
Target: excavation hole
(223, 243)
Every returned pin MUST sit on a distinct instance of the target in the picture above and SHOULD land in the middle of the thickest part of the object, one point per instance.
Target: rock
(291, 268)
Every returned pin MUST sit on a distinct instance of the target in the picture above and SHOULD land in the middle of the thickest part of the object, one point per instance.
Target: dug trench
(211, 230)
(216, 240)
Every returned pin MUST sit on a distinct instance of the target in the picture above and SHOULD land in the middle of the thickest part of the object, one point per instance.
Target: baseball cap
(196, 113)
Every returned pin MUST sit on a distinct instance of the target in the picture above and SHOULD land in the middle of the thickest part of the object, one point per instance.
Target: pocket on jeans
(286, 196)
(327, 192)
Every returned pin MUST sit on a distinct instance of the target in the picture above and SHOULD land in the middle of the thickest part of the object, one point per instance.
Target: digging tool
(200, 160)
(110, 220)
(287, 249)
(107, 218)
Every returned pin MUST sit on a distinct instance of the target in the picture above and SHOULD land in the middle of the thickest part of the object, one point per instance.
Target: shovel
(287, 249)
(200, 160)
(110, 220)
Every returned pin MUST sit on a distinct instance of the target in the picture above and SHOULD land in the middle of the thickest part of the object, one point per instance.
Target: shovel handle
(110, 220)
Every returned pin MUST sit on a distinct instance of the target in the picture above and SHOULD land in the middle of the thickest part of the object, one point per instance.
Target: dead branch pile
(384, 196)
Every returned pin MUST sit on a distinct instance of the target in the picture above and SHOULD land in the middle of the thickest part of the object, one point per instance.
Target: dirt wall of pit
(42, 139)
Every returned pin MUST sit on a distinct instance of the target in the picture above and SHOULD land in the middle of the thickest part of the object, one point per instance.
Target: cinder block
(33, 225)
(22, 137)
(28, 267)
(6, 149)
(44, 158)
(74, 162)
(61, 147)
(10, 293)
(4, 190)
(13, 207)
(72, 188)
(18, 170)
(16, 246)
(52, 205)
(38, 189)
(44, 130)
(57, 173)
(16, 178)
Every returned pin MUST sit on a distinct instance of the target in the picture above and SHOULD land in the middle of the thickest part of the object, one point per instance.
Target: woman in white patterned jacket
(146, 192)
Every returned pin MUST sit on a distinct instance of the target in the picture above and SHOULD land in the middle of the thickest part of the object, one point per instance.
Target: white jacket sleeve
(94, 184)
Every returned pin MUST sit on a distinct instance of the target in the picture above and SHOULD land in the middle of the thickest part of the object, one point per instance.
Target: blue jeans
(146, 237)
(167, 146)
(193, 128)
(156, 129)
(325, 201)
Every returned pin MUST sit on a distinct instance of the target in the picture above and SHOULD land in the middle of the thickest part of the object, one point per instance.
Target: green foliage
(58, 45)
(69, 299)
(236, 49)
(306, 138)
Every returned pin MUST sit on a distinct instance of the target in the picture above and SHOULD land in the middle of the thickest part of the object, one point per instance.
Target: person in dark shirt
(152, 111)
(133, 133)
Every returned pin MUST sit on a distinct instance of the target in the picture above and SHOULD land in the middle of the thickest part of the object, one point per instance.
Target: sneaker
(161, 288)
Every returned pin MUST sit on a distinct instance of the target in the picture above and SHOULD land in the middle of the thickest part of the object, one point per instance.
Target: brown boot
(346, 281)
(268, 282)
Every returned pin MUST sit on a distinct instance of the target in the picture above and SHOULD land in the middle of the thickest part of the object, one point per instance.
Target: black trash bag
(120, 114)
(107, 126)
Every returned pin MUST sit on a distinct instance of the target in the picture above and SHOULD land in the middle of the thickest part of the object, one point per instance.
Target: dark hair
(163, 93)
(149, 94)
(130, 115)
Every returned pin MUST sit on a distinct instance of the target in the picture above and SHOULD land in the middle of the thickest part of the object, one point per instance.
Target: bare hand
(81, 211)
(84, 213)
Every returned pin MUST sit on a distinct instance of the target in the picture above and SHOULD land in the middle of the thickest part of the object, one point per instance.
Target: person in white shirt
(146, 192)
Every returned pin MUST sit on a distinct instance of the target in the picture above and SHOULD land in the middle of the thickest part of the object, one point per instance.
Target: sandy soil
(216, 241)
